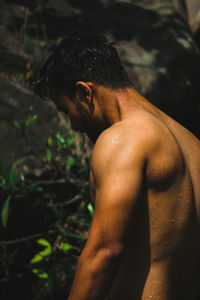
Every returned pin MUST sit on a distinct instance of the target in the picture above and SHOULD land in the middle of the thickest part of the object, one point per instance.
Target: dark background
(43, 164)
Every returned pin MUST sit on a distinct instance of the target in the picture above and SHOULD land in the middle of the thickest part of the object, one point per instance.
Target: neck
(115, 106)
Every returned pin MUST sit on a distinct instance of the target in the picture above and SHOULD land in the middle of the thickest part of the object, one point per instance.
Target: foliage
(42, 254)
(52, 212)
(8, 183)
(44, 220)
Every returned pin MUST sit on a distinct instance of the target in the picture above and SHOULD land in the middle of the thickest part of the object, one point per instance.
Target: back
(174, 208)
(164, 246)
(190, 147)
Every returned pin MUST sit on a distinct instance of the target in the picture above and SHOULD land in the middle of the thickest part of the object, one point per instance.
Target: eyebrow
(59, 107)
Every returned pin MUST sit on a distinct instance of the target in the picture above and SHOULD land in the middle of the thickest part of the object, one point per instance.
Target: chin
(93, 137)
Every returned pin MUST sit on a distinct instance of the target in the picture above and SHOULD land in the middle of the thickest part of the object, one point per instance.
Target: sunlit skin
(145, 184)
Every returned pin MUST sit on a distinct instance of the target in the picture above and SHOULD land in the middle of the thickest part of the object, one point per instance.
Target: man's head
(80, 62)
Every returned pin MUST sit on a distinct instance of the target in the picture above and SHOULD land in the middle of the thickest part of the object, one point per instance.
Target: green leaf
(40, 274)
(84, 167)
(3, 184)
(46, 252)
(84, 222)
(19, 161)
(35, 271)
(49, 155)
(22, 177)
(70, 162)
(44, 242)
(58, 41)
(37, 258)
(60, 138)
(4, 171)
(4, 212)
(43, 275)
(38, 189)
(49, 141)
(28, 149)
(49, 285)
(21, 31)
(46, 195)
(73, 235)
(31, 187)
(13, 176)
(20, 127)
(70, 141)
(13, 172)
(91, 209)
(30, 120)
(66, 246)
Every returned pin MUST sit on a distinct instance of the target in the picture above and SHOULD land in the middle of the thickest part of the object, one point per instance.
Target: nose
(74, 125)
(59, 108)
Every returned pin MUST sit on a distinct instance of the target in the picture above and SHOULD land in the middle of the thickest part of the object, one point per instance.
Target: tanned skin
(144, 241)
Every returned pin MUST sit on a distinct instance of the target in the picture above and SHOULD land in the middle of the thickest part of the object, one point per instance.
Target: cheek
(82, 114)
(75, 119)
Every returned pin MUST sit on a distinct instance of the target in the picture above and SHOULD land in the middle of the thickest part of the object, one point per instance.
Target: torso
(163, 248)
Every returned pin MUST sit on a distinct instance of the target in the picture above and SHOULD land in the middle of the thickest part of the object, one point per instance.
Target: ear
(85, 91)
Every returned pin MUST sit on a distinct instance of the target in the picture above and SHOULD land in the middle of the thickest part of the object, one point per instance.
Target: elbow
(107, 260)
(113, 253)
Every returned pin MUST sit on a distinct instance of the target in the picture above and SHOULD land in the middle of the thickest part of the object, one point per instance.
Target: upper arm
(118, 171)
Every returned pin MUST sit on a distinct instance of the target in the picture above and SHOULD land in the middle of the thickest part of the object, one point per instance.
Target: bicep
(117, 192)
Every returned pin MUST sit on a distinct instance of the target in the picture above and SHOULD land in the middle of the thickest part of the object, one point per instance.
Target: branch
(73, 200)
(20, 275)
(26, 238)
(78, 182)
(48, 182)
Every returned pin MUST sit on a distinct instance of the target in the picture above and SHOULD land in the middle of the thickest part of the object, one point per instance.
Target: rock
(154, 42)
(17, 104)
(197, 32)
(193, 7)
(157, 47)
(161, 56)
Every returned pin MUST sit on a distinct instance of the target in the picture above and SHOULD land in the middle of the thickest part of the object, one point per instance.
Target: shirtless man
(144, 241)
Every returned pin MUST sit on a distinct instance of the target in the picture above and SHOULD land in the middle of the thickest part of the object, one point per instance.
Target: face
(81, 117)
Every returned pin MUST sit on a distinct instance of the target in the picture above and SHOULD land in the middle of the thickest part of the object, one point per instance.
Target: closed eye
(59, 107)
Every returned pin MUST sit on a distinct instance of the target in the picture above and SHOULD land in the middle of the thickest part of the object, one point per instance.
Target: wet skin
(145, 185)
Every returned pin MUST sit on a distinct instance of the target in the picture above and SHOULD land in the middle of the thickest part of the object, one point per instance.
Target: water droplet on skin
(114, 141)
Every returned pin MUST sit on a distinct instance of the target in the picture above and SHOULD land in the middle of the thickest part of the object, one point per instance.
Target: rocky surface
(17, 105)
(154, 41)
(193, 7)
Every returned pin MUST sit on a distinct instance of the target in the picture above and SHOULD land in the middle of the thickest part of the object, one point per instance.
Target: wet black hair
(87, 57)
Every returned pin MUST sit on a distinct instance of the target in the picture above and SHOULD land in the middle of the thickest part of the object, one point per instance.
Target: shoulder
(126, 143)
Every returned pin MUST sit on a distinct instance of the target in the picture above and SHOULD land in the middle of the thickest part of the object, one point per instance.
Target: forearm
(94, 275)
